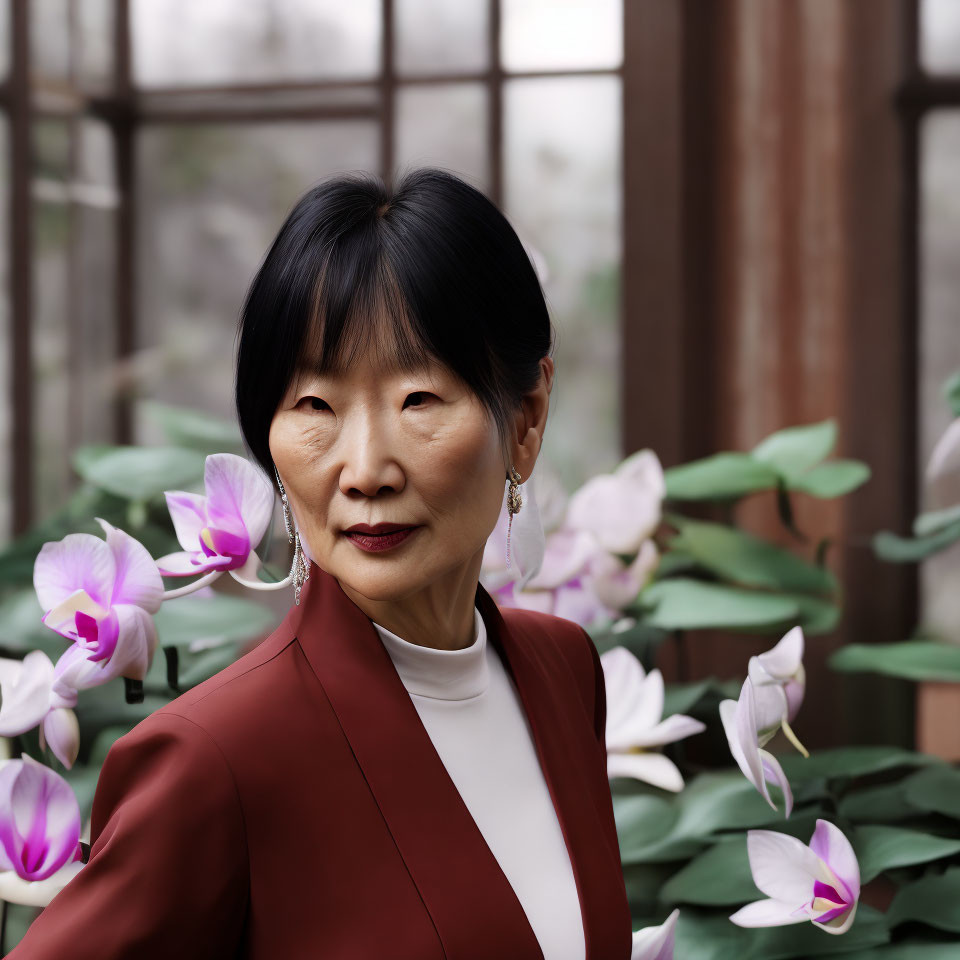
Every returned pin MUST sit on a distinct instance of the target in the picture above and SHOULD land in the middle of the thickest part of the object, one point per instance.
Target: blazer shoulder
(567, 640)
(247, 680)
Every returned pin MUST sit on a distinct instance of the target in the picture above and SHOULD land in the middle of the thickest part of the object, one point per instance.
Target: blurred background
(746, 215)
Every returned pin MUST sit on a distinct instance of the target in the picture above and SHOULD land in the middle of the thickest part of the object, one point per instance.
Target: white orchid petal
(655, 943)
(25, 691)
(653, 768)
(841, 923)
(188, 511)
(768, 913)
(946, 453)
(783, 660)
(783, 867)
(773, 773)
(37, 893)
(623, 677)
(671, 729)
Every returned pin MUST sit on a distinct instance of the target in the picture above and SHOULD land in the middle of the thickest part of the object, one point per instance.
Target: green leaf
(654, 828)
(881, 804)
(928, 523)
(139, 473)
(909, 950)
(747, 560)
(912, 659)
(794, 450)
(951, 390)
(210, 621)
(184, 427)
(895, 549)
(705, 935)
(933, 900)
(685, 604)
(935, 790)
(719, 477)
(718, 877)
(850, 762)
(879, 847)
(832, 479)
(816, 616)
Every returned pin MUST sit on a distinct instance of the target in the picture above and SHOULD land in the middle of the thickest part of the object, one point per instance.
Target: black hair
(429, 272)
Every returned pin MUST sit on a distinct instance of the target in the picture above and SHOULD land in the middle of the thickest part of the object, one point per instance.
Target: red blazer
(293, 807)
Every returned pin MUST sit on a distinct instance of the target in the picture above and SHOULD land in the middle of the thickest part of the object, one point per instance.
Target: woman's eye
(316, 403)
(420, 394)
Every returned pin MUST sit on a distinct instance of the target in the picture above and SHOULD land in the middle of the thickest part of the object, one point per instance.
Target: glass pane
(210, 200)
(563, 195)
(436, 36)
(182, 42)
(546, 35)
(50, 38)
(444, 126)
(96, 39)
(940, 35)
(939, 348)
(53, 410)
(5, 412)
(93, 365)
(4, 38)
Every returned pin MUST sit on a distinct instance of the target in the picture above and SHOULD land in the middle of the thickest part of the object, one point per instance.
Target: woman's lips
(375, 543)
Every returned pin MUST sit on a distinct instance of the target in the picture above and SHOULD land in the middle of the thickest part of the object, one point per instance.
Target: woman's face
(372, 447)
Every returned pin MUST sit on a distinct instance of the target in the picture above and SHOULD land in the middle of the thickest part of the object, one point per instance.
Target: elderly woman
(401, 770)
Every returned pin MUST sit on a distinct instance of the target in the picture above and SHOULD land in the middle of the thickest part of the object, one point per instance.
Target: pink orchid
(635, 722)
(39, 823)
(819, 882)
(759, 767)
(623, 508)
(655, 943)
(218, 531)
(28, 700)
(101, 595)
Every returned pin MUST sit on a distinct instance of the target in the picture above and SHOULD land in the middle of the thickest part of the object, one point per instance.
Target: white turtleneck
(470, 708)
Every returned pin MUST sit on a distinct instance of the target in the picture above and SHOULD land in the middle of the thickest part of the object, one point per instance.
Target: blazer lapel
(472, 904)
(440, 842)
(547, 688)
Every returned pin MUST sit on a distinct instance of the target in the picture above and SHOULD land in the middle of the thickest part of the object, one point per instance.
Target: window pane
(444, 126)
(940, 35)
(439, 36)
(182, 42)
(4, 38)
(939, 347)
(51, 340)
(546, 35)
(50, 38)
(210, 201)
(96, 26)
(5, 411)
(563, 195)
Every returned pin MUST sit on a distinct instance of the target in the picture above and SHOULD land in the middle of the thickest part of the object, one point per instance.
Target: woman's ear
(530, 421)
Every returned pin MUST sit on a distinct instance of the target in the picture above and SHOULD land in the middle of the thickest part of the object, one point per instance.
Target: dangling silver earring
(514, 503)
(299, 572)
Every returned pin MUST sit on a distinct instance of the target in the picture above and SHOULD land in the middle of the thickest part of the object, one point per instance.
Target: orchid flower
(946, 454)
(39, 832)
(218, 531)
(779, 682)
(634, 724)
(621, 509)
(101, 595)
(28, 700)
(819, 882)
(655, 943)
(759, 767)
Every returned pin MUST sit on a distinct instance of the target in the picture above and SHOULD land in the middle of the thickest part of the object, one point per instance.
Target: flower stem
(192, 587)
